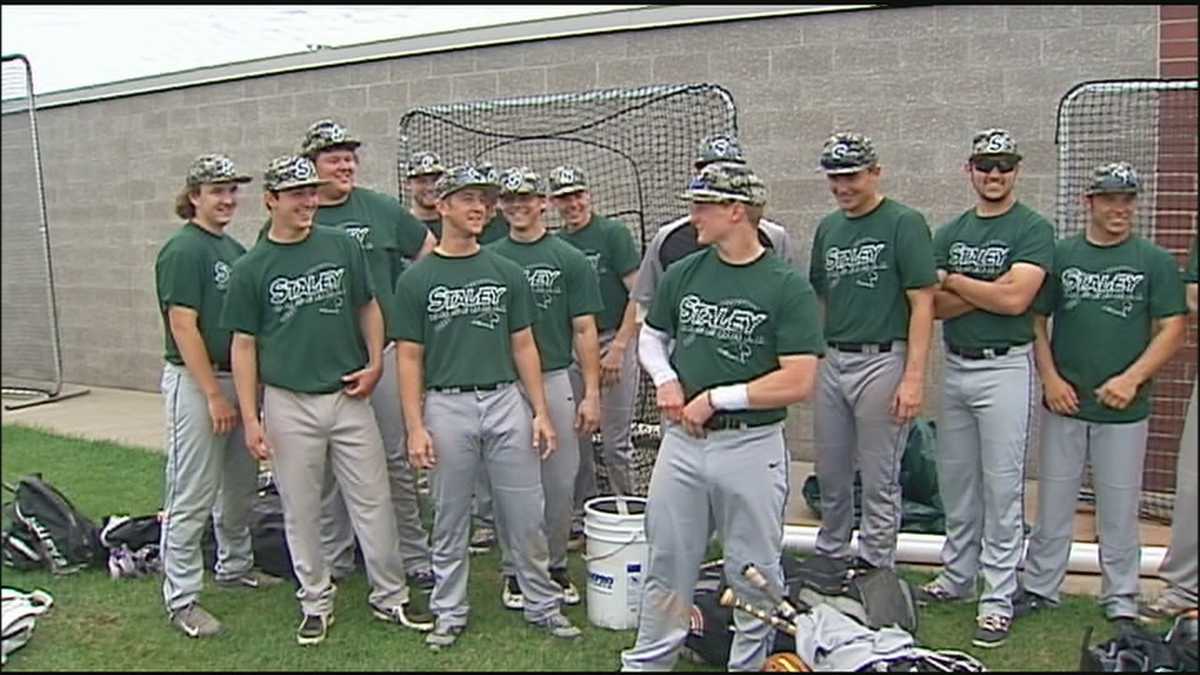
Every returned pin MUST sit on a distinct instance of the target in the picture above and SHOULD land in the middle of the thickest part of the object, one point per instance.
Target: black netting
(635, 146)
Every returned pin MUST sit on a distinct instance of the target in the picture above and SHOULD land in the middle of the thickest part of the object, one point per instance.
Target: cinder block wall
(918, 80)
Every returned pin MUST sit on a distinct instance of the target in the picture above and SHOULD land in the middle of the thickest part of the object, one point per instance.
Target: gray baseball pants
(305, 432)
(337, 536)
(1115, 453)
(983, 435)
(854, 430)
(616, 420)
(492, 429)
(202, 468)
(737, 482)
(1178, 568)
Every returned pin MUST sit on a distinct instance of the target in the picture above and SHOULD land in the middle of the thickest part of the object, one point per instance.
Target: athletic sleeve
(409, 232)
(1036, 244)
(622, 251)
(180, 277)
(1046, 300)
(408, 316)
(914, 252)
(798, 330)
(816, 264)
(1167, 294)
(360, 285)
(650, 272)
(1190, 275)
(662, 314)
(941, 247)
(520, 299)
(584, 286)
(242, 311)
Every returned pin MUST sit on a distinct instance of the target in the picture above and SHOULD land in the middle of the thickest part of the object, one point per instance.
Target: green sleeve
(941, 246)
(914, 252)
(180, 278)
(242, 311)
(1046, 299)
(1191, 275)
(816, 266)
(662, 311)
(520, 300)
(798, 330)
(624, 257)
(1167, 295)
(584, 295)
(408, 317)
(1036, 245)
(361, 287)
(410, 232)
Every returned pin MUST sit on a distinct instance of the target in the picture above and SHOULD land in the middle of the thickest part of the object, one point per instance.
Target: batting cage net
(1152, 125)
(634, 146)
(32, 361)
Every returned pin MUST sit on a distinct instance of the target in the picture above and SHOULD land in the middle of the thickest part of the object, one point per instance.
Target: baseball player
(1178, 567)
(872, 267)
(420, 177)
(387, 233)
(609, 247)
(747, 335)
(991, 262)
(496, 228)
(566, 296)
(677, 238)
(1118, 308)
(205, 454)
(465, 412)
(306, 322)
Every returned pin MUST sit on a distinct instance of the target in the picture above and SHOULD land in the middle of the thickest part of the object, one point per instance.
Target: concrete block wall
(918, 80)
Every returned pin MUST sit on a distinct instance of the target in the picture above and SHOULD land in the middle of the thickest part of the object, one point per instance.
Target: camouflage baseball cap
(726, 182)
(847, 152)
(567, 179)
(459, 178)
(1114, 177)
(214, 168)
(521, 180)
(994, 142)
(424, 164)
(290, 172)
(325, 134)
(489, 171)
(719, 148)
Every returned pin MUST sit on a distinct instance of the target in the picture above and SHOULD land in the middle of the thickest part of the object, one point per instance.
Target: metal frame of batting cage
(56, 392)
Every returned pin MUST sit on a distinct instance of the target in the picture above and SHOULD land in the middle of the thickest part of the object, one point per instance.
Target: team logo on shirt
(733, 323)
(596, 260)
(482, 300)
(323, 287)
(864, 260)
(1118, 289)
(221, 271)
(360, 232)
(544, 283)
(981, 262)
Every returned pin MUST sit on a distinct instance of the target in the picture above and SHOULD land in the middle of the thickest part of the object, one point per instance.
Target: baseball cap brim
(712, 196)
(431, 171)
(482, 185)
(568, 189)
(1102, 190)
(1015, 155)
(230, 179)
(283, 187)
(837, 170)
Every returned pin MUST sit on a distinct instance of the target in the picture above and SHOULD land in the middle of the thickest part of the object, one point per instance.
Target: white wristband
(730, 397)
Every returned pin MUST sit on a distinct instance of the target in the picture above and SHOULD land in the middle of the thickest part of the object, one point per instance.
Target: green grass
(102, 624)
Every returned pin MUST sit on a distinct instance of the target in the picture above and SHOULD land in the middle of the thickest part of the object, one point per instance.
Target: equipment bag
(45, 524)
(133, 545)
(18, 614)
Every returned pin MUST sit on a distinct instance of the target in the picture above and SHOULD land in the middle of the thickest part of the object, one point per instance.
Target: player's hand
(1060, 397)
(420, 448)
(696, 413)
(224, 416)
(545, 442)
(610, 364)
(906, 404)
(670, 400)
(256, 441)
(1118, 392)
(361, 383)
(587, 416)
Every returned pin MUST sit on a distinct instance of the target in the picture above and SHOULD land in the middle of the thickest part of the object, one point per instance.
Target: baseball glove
(785, 662)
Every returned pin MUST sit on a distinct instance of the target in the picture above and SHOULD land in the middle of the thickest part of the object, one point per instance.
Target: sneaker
(412, 614)
(1162, 608)
(252, 579)
(510, 594)
(194, 622)
(482, 540)
(443, 637)
(1025, 603)
(313, 628)
(934, 593)
(424, 580)
(992, 631)
(570, 593)
(559, 626)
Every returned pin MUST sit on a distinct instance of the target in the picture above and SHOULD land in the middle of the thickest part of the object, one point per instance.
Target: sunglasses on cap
(986, 164)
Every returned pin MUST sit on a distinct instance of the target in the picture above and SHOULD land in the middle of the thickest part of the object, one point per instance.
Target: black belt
(726, 423)
(859, 347)
(979, 354)
(469, 389)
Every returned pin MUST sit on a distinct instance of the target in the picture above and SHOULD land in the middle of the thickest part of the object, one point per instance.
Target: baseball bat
(760, 582)
(730, 599)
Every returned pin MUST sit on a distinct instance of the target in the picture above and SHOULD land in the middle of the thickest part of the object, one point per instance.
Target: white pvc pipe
(926, 549)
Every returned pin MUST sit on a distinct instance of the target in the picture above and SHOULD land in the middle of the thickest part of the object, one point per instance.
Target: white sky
(75, 46)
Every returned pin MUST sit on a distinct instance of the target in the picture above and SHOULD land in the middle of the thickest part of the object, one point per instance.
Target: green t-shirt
(564, 286)
(495, 230)
(986, 248)
(862, 266)
(387, 232)
(301, 302)
(464, 311)
(1191, 274)
(609, 248)
(1104, 300)
(434, 225)
(731, 323)
(192, 270)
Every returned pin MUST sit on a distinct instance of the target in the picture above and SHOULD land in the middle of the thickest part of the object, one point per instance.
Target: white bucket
(615, 527)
